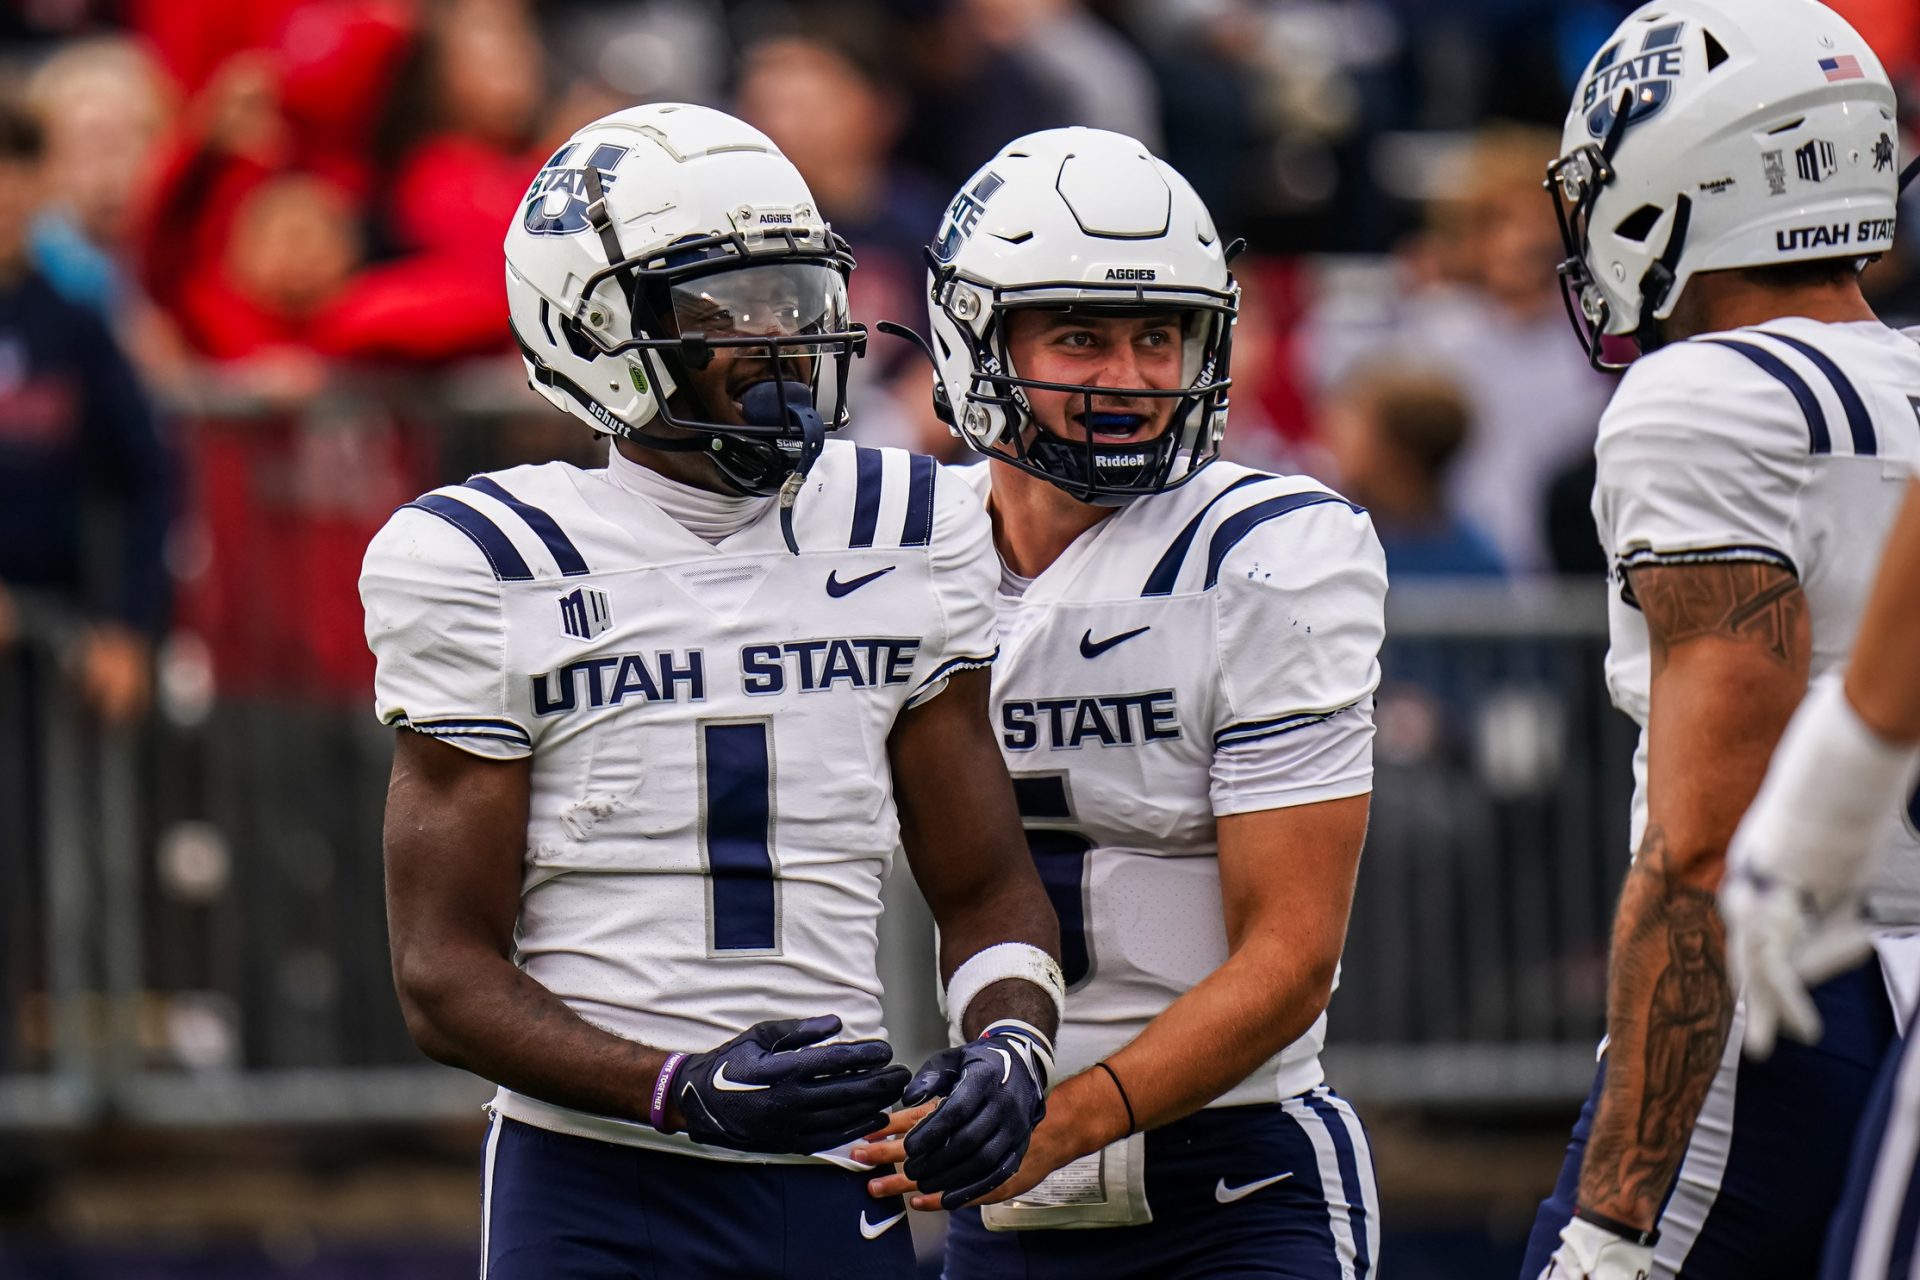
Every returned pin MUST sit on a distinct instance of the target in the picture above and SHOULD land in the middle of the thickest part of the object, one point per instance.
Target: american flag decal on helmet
(584, 613)
(1844, 67)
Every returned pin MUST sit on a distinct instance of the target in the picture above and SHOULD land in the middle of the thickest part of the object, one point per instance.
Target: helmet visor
(775, 300)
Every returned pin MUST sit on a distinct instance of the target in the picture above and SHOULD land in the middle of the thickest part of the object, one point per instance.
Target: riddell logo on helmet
(1130, 273)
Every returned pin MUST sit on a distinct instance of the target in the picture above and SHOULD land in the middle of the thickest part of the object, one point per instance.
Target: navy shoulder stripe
(918, 529)
(559, 545)
(1160, 581)
(507, 562)
(1817, 438)
(868, 471)
(1859, 421)
(1241, 523)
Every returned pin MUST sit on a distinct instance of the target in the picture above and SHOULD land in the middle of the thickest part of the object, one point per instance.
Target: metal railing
(192, 922)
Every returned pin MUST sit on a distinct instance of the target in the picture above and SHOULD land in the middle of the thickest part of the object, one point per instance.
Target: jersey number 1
(1060, 853)
(736, 834)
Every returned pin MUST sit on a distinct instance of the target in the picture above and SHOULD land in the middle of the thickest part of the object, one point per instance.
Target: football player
(1184, 694)
(1725, 169)
(657, 746)
(1798, 871)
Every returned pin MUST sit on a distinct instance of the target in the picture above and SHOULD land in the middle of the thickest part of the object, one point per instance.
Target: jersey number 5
(736, 836)
(1060, 852)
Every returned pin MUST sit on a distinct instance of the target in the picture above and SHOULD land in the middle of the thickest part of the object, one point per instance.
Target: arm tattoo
(1670, 1003)
(1670, 1007)
(1759, 604)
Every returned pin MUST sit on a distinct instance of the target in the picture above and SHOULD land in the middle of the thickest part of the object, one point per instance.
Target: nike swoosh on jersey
(874, 1230)
(1227, 1195)
(837, 588)
(725, 1085)
(1091, 648)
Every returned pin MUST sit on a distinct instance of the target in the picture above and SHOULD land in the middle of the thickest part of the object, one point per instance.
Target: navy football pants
(565, 1208)
(1319, 1221)
(1762, 1177)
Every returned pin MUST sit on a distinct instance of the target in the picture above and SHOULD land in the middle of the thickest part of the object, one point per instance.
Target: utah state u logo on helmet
(1649, 73)
(556, 176)
(964, 214)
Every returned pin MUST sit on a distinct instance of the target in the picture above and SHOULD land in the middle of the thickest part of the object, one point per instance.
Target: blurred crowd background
(251, 300)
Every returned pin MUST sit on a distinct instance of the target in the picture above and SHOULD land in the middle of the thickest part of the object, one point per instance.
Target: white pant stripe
(1697, 1185)
(1893, 1168)
(1329, 1163)
(486, 1188)
(1363, 1157)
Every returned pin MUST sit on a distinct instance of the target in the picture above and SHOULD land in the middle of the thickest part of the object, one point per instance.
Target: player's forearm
(1015, 915)
(477, 1011)
(1668, 1009)
(1266, 996)
(1883, 680)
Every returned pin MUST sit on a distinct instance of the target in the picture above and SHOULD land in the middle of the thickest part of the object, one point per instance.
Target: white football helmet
(1079, 218)
(1714, 134)
(657, 235)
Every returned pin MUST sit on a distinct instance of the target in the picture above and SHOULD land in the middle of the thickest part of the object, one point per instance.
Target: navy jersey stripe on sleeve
(559, 545)
(507, 563)
(1817, 438)
(1859, 421)
(1253, 730)
(868, 471)
(918, 529)
(1160, 581)
(1241, 523)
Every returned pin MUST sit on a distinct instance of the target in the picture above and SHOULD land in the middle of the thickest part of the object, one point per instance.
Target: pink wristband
(657, 1107)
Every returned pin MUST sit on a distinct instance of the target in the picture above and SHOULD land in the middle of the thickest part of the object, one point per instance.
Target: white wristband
(1831, 792)
(997, 963)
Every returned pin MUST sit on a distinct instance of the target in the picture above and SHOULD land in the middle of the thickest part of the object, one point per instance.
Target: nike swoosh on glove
(994, 1093)
(776, 1088)
(1589, 1251)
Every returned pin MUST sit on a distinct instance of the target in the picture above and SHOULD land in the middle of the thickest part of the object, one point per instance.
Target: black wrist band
(1632, 1235)
(1125, 1101)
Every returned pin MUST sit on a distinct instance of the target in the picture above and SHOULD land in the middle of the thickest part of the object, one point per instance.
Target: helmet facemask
(774, 300)
(1083, 466)
(1574, 183)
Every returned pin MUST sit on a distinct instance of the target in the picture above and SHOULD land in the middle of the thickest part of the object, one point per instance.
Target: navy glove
(995, 1093)
(767, 1090)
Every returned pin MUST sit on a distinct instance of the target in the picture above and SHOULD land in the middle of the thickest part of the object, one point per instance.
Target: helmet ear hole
(1716, 52)
(578, 342)
(1638, 225)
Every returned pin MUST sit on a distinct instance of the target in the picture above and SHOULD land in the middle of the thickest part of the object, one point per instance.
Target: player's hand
(1779, 946)
(1589, 1251)
(993, 1093)
(1048, 1150)
(1798, 864)
(776, 1088)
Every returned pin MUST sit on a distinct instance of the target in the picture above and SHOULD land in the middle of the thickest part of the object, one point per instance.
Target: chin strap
(1658, 282)
(783, 403)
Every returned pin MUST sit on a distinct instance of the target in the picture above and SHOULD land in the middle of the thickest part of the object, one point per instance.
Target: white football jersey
(1789, 443)
(1207, 651)
(712, 806)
